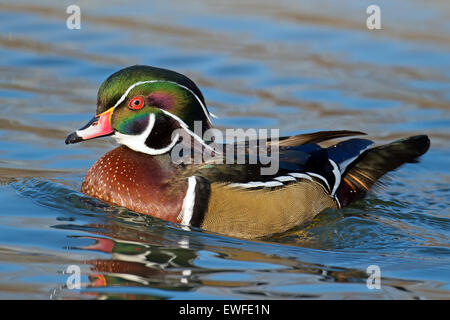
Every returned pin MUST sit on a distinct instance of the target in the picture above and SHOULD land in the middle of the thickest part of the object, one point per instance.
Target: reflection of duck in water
(141, 107)
(134, 263)
(139, 265)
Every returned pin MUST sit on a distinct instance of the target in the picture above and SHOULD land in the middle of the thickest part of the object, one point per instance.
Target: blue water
(298, 67)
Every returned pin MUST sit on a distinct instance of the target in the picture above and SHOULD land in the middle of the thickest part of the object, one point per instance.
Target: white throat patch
(137, 142)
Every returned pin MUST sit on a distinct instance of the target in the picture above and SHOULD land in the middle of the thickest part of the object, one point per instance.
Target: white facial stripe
(137, 142)
(186, 128)
(134, 85)
(205, 111)
(187, 208)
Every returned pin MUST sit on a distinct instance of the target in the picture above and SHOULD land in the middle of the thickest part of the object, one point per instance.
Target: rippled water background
(295, 65)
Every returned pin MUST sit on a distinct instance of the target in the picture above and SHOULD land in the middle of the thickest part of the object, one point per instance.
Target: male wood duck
(142, 106)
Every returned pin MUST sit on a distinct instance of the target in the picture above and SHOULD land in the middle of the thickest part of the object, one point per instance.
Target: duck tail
(372, 164)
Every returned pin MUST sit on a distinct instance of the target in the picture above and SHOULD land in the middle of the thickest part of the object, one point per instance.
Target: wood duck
(142, 107)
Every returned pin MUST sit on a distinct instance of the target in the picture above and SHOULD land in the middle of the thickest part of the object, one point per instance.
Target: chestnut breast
(137, 181)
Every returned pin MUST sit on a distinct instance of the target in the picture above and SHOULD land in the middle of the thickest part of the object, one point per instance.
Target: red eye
(136, 103)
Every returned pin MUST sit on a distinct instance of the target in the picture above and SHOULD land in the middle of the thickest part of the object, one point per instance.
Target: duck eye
(136, 103)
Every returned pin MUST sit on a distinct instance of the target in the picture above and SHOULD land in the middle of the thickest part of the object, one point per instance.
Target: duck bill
(99, 126)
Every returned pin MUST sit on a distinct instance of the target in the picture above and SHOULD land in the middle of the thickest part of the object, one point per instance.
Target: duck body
(217, 206)
(144, 108)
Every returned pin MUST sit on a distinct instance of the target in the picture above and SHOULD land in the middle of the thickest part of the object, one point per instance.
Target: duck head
(142, 106)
